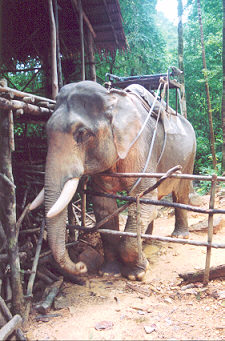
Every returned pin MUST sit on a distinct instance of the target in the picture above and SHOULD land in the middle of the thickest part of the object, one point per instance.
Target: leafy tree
(194, 77)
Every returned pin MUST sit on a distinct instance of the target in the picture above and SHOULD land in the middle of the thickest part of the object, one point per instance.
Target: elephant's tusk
(37, 201)
(66, 195)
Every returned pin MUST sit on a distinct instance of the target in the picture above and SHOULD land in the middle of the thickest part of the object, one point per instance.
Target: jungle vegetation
(152, 48)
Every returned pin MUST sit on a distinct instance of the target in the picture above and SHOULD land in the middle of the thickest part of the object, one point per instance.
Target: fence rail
(210, 211)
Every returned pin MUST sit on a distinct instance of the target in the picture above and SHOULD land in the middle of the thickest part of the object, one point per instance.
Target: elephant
(95, 130)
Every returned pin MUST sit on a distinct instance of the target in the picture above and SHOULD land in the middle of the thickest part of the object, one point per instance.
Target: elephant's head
(90, 129)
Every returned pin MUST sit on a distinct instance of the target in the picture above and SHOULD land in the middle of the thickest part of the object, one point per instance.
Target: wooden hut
(66, 32)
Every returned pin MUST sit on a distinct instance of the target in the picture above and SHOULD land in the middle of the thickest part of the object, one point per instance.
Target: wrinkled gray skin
(90, 132)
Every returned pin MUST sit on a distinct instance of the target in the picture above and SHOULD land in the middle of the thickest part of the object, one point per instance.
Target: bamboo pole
(210, 231)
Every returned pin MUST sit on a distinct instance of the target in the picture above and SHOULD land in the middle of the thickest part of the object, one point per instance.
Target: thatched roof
(26, 29)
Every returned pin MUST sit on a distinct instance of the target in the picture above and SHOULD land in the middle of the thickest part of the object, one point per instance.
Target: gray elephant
(93, 130)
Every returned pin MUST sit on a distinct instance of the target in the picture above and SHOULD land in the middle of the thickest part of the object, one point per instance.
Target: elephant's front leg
(133, 266)
(103, 207)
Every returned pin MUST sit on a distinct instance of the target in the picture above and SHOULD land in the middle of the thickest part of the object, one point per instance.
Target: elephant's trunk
(56, 227)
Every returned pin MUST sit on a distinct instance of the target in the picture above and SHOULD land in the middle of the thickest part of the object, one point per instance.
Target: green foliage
(30, 81)
(152, 48)
(204, 186)
(194, 78)
(147, 49)
(29, 130)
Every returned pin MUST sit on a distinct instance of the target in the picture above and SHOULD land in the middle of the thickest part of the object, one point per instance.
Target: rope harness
(162, 81)
(150, 110)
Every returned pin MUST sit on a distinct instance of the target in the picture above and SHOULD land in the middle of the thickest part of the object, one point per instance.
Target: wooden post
(81, 40)
(53, 51)
(8, 207)
(205, 72)
(33, 275)
(139, 229)
(84, 203)
(181, 59)
(59, 66)
(91, 57)
(9, 328)
(210, 230)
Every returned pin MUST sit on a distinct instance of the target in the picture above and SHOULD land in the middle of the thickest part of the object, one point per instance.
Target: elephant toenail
(141, 275)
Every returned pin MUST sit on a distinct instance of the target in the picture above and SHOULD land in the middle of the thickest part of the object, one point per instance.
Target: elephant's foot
(180, 233)
(110, 268)
(136, 272)
(132, 267)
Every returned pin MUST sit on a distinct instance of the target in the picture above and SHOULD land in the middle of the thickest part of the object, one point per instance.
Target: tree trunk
(211, 131)
(223, 95)
(181, 56)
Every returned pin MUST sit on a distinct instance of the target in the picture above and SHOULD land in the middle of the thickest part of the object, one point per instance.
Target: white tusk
(66, 195)
(38, 200)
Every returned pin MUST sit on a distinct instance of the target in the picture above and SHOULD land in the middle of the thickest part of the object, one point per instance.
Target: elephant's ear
(125, 123)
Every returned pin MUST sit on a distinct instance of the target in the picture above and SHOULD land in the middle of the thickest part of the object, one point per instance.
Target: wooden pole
(84, 203)
(159, 175)
(59, 66)
(8, 317)
(81, 40)
(12, 325)
(159, 203)
(53, 51)
(210, 230)
(24, 95)
(205, 72)
(33, 275)
(26, 107)
(8, 208)
(181, 58)
(91, 57)
(139, 244)
(160, 238)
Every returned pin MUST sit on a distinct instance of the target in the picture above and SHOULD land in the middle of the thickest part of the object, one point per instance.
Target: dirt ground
(160, 307)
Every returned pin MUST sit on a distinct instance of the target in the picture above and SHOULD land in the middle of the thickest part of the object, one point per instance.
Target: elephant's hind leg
(103, 207)
(181, 221)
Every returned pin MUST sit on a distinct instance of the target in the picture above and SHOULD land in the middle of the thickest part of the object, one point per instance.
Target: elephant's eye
(82, 135)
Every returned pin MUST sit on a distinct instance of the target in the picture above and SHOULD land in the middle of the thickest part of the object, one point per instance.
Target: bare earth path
(163, 310)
